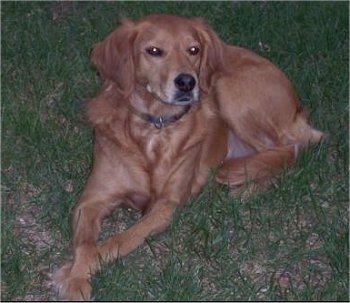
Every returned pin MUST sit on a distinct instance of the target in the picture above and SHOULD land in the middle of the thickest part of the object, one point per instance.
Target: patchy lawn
(290, 243)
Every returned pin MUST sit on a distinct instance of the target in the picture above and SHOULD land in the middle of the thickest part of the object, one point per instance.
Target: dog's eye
(154, 51)
(193, 50)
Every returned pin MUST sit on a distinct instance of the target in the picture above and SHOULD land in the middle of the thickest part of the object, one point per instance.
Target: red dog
(175, 102)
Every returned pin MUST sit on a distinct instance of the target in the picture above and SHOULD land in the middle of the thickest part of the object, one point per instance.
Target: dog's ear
(113, 57)
(212, 54)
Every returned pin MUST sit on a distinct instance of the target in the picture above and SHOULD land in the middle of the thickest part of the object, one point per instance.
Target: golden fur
(244, 119)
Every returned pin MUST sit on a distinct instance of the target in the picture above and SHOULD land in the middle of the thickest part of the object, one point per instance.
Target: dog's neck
(153, 110)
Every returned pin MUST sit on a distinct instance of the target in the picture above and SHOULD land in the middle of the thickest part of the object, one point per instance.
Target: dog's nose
(185, 82)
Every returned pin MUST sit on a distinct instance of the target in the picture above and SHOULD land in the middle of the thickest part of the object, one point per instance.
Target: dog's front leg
(170, 194)
(155, 221)
(72, 279)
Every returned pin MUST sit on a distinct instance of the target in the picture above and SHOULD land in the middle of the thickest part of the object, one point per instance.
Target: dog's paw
(76, 289)
(71, 288)
(61, 274)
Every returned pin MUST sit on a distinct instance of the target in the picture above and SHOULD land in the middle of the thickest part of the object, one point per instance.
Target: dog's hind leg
(255, 169)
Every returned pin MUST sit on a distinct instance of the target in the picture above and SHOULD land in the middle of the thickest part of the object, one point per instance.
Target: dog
(175, 103)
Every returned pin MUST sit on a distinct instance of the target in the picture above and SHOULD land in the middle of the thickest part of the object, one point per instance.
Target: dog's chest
(151, 146)
(160, 145)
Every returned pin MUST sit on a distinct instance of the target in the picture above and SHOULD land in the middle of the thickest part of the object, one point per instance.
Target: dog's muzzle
(185, 83)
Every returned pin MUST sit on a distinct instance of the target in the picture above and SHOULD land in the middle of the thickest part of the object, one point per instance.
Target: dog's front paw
(71, 288)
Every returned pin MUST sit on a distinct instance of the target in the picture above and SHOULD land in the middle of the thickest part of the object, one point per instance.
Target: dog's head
(173, 58)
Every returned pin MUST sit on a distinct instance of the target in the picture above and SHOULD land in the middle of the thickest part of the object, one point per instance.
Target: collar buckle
(158, 123)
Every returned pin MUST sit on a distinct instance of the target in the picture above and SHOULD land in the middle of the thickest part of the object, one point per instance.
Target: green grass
(290, 243)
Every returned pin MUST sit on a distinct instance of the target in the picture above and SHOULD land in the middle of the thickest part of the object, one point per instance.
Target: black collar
(161, 121)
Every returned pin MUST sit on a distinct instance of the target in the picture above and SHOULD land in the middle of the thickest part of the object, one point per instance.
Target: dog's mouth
(184, 98)
(175, 96)
(179, 98)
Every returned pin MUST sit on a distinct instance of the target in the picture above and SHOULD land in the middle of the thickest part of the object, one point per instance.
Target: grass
(290, 243)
